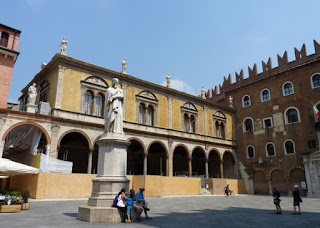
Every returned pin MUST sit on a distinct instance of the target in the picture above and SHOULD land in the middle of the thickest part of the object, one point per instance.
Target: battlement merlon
(301, 58)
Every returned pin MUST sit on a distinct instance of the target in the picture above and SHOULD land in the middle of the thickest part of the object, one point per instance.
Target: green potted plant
(25, 199)
(11, 203)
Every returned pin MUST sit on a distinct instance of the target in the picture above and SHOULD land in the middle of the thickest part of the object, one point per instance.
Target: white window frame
(261, 96)
(283, 91)
(311, 81)
(243, 101)
(264, 125)
(274, 148)
(244, 126)
(286, 118)
(254, 152)
(285, 149)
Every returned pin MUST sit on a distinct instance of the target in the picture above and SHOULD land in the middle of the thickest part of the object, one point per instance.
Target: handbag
(300, 200)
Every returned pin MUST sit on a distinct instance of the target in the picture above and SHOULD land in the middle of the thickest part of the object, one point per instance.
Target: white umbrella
(8, 167)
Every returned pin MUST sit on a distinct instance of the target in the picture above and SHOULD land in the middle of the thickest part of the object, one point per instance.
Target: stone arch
(28, 123)
(77, 131)
(260, 183)
(278, 180)
(74, 146)
(141, 142)
(198, 161)
(229, 163)
(97, 81)
(23, 140)
(135, 157)
(157, 159)
(297, 176)
(180, 160)
(214, 164)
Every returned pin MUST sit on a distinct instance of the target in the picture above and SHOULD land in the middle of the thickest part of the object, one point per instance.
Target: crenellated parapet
(301, 57)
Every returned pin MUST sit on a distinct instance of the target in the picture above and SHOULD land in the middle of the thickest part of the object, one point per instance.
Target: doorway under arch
(228, 165)
(157, 160)
(74, 147)
(260, 183)
(214, 164)
(180, 161)
(135, 158)
(198, 162)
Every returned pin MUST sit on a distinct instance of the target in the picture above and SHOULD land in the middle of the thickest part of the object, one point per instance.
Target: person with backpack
(276, 200)
(121, 205)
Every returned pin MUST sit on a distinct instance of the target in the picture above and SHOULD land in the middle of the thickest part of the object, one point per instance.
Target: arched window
(248, 125)
(270, 149)
(265, 95)
(315, 81)
(142, 113)
(289, 147)
(99, 104)
(89, 103)
(192, 124)
(4, 39)
(217, 129)
(246, 101)
(250, 152)
(292, 115)
(223, 134)
(150, 115)
(287, 89)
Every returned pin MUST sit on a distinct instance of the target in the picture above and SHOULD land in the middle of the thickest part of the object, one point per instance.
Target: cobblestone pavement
(179, 211)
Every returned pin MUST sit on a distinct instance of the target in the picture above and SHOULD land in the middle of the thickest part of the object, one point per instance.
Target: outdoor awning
(8, 167)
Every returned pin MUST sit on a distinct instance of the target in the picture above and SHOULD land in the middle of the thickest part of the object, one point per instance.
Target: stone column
(1, 148)
(124, 90)
(221, 169)
(269, 184)
(316, 177)
(308, 179)
(90, 161)
(167, 166)
(111, 177)
(207, 169)
(145, 164)
(170, 111)
(170, 158)
(190, 167)
(205, 108)
(57, 103)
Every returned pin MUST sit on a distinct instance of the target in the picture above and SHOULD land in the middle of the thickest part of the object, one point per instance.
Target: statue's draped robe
(114, 111)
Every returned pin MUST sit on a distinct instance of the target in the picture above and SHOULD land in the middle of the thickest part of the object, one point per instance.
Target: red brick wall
(6, 69)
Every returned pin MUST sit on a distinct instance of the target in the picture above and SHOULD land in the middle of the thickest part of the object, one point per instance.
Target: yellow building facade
(172, 133)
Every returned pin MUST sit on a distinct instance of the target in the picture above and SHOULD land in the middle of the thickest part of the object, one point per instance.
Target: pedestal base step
(98, 214)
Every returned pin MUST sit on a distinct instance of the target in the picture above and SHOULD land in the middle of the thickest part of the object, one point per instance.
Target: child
(130, 203)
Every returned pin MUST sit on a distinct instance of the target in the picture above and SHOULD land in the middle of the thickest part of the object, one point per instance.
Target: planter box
(10, 208)
(25, 206)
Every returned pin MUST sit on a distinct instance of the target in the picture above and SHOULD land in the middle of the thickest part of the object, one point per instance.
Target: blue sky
(198, 42)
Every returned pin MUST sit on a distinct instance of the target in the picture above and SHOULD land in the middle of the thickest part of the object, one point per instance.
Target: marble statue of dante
(32, 94)
(124, 66)
(114, 103)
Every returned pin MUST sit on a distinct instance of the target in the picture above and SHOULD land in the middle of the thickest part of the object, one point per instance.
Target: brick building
(275, 122)
(9, 39)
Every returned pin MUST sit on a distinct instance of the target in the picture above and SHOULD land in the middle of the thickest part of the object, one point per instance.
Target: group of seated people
(126, 205)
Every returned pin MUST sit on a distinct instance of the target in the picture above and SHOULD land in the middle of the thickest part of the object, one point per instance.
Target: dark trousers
(123, 213)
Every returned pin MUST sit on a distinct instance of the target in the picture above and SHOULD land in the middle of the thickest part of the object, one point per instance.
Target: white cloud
(181, 86)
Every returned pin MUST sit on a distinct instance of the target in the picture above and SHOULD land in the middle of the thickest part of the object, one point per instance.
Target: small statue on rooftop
(231, 101)
(203, 93)
(168, 80)
(63, 46)
(32, 94)
(124, 66)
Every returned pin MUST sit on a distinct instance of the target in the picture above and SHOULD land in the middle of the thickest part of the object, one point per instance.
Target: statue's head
(34, 84)
(115, 82)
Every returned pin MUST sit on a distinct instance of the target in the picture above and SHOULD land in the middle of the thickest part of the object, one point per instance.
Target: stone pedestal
(31, 108)
(111, 178)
